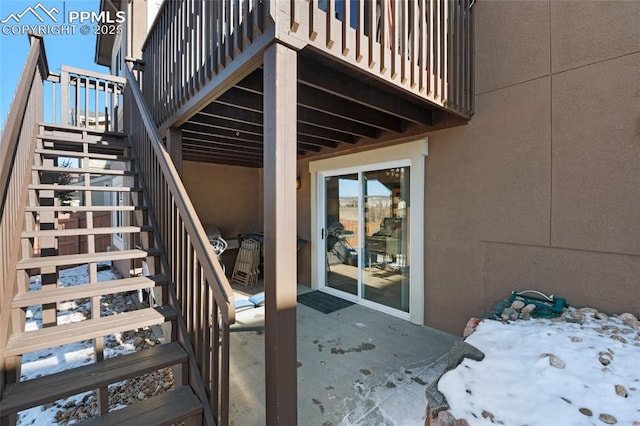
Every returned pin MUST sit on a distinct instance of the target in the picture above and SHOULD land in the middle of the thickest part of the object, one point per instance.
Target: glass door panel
(385, 269)
(341, 232)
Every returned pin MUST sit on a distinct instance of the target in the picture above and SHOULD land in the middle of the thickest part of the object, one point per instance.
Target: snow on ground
(596, 373)
(69, 356)
(398, 401)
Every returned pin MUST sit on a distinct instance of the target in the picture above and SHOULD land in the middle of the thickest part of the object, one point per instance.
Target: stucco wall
(541, 190)
(228, 197)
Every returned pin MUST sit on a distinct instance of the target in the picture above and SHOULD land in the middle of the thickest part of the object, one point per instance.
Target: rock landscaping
(581, 367)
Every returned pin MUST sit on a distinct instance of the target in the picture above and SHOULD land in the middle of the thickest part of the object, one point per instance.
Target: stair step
(32, 393)
(55, 187)
(79, 154)
(165, 409)
(76, 259)
(120, 143)
(31, 341)
(73, 232)
(91, 170)
(60, 294)
(79, 130)
(83, 208)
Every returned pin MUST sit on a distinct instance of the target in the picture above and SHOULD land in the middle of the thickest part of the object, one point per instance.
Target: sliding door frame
(412, 154)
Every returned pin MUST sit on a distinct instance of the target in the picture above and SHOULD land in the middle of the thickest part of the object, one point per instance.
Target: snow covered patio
(355, 367)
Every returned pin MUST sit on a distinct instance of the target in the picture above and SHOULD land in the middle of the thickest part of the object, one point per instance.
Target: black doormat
(323, 302)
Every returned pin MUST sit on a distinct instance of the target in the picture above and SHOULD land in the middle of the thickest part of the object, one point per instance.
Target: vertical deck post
(174, 146)
(280, 100)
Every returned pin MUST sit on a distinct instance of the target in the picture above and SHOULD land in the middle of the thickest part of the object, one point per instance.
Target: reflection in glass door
(385, 273)
(366, 217)
(341, 232)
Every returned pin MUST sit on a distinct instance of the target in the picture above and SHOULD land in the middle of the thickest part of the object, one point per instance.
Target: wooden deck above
(412, 74)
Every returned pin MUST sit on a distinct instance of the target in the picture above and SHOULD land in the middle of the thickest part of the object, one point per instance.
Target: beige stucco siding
(541, 189)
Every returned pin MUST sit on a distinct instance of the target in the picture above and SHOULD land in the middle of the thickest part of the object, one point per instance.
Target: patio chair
(245, 271)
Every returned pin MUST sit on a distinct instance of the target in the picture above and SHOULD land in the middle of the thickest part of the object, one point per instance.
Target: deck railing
(17, 148)
(203, 294)
(422, 46)
(190, 43)
(86, 99)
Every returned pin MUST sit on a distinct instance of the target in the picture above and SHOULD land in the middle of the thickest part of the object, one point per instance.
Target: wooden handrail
(199, 290)
(11, 132)
(17, 147)
(211, 268)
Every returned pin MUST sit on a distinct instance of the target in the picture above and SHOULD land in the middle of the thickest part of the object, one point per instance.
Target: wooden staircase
(100, 163)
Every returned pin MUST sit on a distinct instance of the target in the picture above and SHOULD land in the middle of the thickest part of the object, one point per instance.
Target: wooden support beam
(280, 234)
(253, 82)
(216, 151)
(354, 90)
(318, 133)
(201, 134)
(318, 100)
(222, 133)
(327, 121)
(198, 141)
(227, 112)
(211, 121)
(241, 99)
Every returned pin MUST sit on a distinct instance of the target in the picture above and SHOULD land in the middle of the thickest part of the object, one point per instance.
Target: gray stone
(498, 307)
(529, 308)
(488, 415)
(627, 317)
(460, 351)
(517, 305)
(608, 419)
(525, 316)
(435, 400)
(576, 317)
(554, 361)
(601, 316)
(510, 314)
(586, 412)
(621, 391)
(618, 338)
(443, 418)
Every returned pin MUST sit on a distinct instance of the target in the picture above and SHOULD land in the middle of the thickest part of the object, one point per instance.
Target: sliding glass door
(342, 207)
(365, 229)
(385, 273)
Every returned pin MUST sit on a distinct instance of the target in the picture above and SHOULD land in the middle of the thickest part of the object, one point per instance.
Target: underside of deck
(338, 108)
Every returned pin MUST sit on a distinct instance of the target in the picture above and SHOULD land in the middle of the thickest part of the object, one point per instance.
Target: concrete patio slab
(356, 366)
